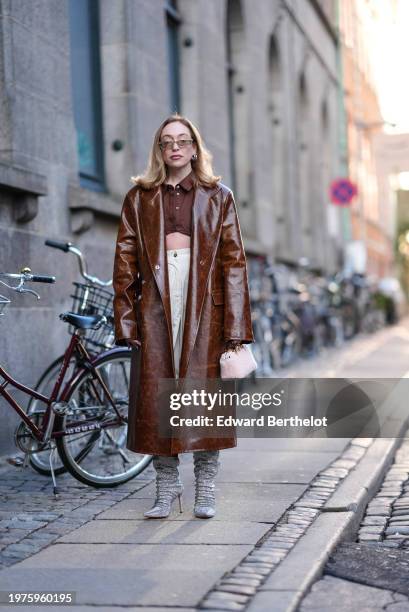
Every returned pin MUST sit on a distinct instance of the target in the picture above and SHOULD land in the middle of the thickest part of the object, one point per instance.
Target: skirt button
(175, 254)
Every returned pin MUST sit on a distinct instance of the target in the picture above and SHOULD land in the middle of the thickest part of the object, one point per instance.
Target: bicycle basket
(92, 300)
(3, 304)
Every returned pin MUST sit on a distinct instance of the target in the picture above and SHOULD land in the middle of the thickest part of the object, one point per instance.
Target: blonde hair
(155, 172)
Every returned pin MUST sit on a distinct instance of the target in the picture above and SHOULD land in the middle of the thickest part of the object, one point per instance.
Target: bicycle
(84, 420)
(89, 298)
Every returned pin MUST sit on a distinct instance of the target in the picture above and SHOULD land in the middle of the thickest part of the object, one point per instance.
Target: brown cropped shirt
(177, 205)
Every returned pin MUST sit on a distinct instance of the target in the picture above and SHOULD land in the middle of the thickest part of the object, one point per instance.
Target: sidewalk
(270, 495)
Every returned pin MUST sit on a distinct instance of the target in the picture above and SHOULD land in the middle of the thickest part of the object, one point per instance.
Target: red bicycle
(85, 417)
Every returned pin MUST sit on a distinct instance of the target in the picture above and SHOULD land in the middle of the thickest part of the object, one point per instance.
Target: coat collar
(206, 226)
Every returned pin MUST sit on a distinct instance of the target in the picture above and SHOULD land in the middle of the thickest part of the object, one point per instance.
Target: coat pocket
(218, 296)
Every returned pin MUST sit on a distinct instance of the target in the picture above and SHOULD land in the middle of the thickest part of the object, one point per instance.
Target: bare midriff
(177, 240)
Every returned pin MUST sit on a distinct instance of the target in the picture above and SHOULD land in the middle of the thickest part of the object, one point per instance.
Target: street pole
(342, 130)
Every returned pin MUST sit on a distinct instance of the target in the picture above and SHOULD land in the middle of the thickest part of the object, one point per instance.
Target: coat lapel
(206, 225)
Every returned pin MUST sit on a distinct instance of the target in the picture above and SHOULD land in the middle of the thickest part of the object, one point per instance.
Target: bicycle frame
(46, 432)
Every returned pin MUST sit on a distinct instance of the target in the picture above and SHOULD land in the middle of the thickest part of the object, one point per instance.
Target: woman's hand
(133, 343)
(233, 345)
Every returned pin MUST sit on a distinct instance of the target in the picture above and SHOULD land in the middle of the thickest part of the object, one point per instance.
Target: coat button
(157, 266)
(201, 262)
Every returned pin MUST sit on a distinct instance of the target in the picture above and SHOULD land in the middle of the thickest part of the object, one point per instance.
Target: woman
(181, 299)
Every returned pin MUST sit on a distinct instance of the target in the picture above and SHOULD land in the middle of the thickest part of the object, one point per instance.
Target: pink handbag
(237, 363)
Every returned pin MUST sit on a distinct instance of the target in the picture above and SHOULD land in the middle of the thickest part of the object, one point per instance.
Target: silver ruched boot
(168, 486)
(206, 464)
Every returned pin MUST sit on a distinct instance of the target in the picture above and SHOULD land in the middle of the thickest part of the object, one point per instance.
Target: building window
(173, 20)
(86, 91)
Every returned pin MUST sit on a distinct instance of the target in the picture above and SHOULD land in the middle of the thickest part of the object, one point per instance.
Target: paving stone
(213, 603)
(374, 520)
(241, 579)
(235, 588)
(371, 529)
(227, 596)
(344, 463)
(284, 540)
(337, 472)
(255, 568)
(381, 502)
(326, 483)
(400, 512)
(281, 545)
(402, 529)
(309, 504)
(245, 574)
(302, 513)
(369, 536)
(377, 512)
(388, 494)
(269, 561)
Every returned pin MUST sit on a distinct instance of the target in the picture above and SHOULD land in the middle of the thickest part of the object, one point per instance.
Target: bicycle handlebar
(23, 277)
(40, 278)
(68, 247)
(63, 246)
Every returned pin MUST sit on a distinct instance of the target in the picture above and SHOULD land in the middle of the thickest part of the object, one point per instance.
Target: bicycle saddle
(81, 321)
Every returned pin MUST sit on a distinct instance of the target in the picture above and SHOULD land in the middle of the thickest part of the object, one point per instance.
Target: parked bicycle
(85, 416)
(297, 312)
(90, 298)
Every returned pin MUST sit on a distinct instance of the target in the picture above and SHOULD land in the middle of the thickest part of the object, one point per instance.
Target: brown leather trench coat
(217, 308)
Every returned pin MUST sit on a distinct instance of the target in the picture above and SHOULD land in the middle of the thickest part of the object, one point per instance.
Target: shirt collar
(186, 184)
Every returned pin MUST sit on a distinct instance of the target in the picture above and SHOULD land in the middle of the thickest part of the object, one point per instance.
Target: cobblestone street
(30, 517)
(373, 573)
(284, 506)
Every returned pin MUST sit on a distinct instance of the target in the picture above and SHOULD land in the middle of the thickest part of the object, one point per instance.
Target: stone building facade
(84, 85)
(371, 212)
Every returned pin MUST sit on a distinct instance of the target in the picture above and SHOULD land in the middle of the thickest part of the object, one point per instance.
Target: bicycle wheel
(98, 457)
(40, 460)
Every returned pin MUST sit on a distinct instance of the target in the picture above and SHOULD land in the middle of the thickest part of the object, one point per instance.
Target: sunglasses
(168, 144)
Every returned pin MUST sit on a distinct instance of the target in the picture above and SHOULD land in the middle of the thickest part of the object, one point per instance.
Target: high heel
(168, 486)
(206, 465)
(162, 507)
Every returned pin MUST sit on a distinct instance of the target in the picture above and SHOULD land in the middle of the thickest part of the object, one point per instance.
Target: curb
(339, 519)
